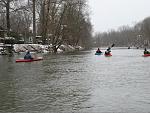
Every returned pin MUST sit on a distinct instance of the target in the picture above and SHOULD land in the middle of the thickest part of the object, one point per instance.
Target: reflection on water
(78, 82)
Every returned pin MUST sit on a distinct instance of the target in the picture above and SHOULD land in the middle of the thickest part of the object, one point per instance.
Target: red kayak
(29, 60)
(108, 55)
(146, 55)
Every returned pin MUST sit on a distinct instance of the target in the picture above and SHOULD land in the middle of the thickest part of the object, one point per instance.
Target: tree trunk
(7, 16)
(43, 22)
(54, 49)
(34, 23)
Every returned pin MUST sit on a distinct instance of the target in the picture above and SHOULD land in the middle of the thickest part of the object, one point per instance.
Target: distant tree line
(56, 21)
(137, 36)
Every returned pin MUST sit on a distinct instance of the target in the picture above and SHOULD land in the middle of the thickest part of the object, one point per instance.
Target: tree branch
(4, 2)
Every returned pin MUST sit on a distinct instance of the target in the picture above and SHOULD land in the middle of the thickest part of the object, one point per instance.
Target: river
(78, 82)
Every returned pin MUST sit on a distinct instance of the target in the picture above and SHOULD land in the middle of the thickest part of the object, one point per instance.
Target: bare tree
(9, 6)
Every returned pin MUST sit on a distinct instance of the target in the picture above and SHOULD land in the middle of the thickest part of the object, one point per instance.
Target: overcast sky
(111, 14)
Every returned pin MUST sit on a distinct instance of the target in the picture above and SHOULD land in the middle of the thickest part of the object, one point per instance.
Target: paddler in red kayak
(146, 52)
(28, 55)
(107, 52)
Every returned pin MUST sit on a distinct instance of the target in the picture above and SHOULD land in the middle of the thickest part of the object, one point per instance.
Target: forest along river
(78, 82)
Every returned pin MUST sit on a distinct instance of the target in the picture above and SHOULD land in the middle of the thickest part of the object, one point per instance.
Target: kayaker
(146, 52)
(107, 52)
(28, 55)
(98, 51)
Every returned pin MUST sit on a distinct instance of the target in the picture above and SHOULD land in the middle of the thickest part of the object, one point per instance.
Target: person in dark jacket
(28, 55)
(146, 52)
(98, 51)
(107, 52)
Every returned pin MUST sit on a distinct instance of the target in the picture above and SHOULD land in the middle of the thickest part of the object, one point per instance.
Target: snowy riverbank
(44, 48)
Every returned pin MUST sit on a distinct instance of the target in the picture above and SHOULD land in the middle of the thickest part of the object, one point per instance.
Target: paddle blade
(112, 45)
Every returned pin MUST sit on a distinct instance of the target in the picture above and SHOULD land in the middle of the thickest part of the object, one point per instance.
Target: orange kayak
(146, 55)
(108, 55)
(29, 60)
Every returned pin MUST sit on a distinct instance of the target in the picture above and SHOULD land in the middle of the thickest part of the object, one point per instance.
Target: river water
(79, 82)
